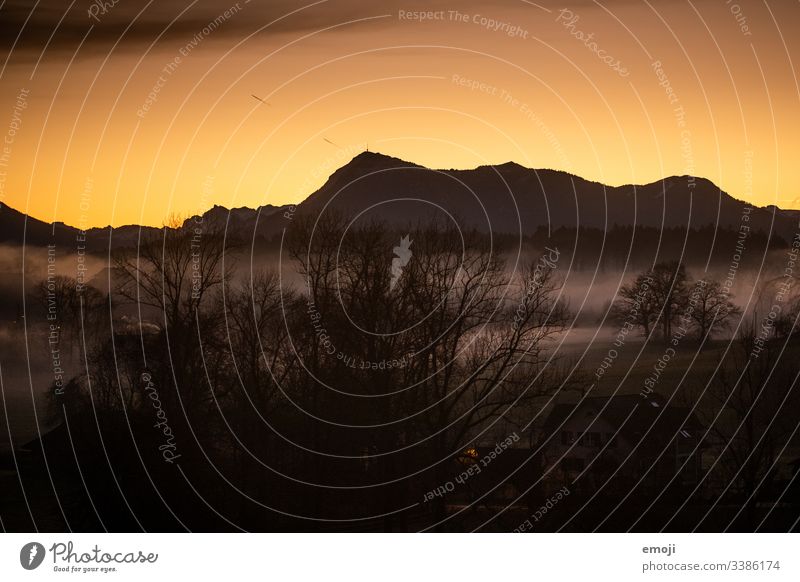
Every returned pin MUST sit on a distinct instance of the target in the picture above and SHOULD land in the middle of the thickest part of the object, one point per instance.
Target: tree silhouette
(451, 345)
(713, 309)
(636, 303)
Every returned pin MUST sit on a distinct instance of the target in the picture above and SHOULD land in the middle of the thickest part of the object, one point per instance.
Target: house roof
(666, 420)
(51, 438)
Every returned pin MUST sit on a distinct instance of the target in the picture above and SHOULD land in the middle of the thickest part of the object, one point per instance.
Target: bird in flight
(258, 98)
(330, 142)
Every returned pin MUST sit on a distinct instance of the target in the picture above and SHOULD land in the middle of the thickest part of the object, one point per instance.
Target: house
(627, 438)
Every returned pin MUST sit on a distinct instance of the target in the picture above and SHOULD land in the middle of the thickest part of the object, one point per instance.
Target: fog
(27, 367)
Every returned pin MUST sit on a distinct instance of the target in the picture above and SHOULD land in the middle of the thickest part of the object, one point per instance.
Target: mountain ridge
(503, 198)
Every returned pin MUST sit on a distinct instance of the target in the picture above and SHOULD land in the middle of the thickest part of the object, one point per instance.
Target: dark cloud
(137, 23)
(134, 24)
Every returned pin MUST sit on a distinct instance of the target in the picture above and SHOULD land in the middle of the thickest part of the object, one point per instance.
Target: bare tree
(74, 310)
(176, 272)
(174, 277)
(654, 298)
(669, 294)
(636, 304)
(451, 343)
(713, 309)
(257, 335)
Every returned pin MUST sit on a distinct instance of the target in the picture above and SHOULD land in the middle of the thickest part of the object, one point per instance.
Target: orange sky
(448, 92)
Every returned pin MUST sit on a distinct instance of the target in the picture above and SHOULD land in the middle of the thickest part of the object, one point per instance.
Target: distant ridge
(505, 198)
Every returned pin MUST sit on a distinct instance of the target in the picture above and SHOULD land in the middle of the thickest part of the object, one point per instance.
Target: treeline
(635, 248)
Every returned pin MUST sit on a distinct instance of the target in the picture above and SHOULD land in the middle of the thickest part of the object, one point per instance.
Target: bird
(258, 98)
(333, 144)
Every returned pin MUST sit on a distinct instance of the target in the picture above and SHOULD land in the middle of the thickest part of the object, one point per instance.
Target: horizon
(381, 154)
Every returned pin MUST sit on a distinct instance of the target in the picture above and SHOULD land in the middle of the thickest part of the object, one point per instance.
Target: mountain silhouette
(506, 198)
(510, 198)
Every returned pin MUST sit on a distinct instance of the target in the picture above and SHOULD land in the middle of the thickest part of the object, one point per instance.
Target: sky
(130, 111)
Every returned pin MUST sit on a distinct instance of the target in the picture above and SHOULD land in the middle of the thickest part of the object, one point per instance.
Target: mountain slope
(507, 198)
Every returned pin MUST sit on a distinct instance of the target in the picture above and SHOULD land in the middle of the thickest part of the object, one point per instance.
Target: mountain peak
(366, 155)
(510, 165)
(377, 159)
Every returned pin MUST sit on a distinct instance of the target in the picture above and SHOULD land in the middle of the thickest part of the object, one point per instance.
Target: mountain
(17, 228)
(510, 198)
(506, 198)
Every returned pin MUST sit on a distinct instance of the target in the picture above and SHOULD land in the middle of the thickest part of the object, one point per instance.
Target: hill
(507, 198)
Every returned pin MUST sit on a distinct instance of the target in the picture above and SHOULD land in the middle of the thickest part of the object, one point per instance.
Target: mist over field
(588, 289)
